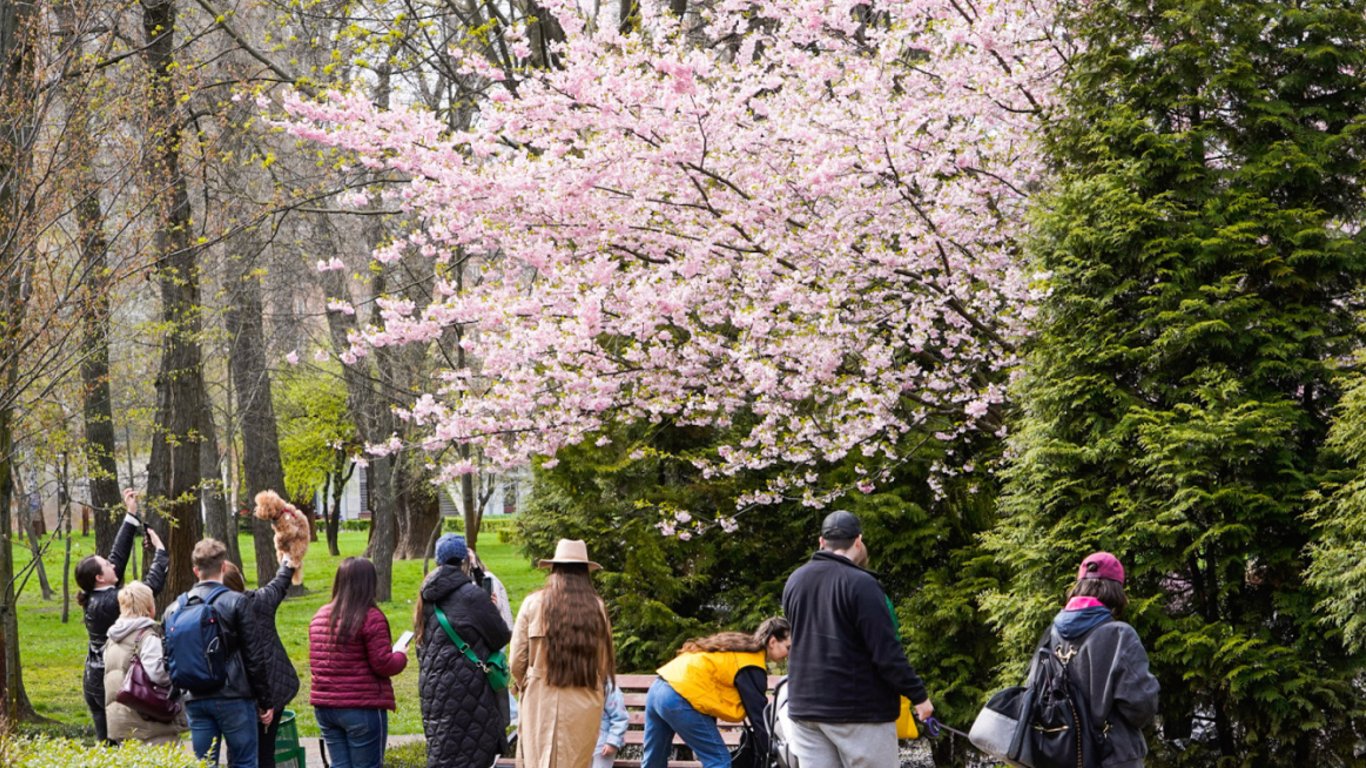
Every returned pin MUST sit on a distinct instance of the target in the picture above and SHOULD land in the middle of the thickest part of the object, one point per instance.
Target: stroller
(775, 717)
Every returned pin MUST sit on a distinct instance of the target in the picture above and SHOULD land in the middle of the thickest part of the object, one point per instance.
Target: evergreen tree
(1338, 569)
(1204, 241)
(662, 588)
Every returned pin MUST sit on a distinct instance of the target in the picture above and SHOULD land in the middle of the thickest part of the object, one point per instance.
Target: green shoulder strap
(460, 644)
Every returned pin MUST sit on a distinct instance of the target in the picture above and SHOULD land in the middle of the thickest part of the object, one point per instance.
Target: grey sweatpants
(851, 745)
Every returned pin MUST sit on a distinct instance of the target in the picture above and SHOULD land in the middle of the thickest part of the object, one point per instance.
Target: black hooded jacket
(461, 712)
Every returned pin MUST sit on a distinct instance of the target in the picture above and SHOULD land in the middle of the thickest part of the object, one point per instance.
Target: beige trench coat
(558, 727)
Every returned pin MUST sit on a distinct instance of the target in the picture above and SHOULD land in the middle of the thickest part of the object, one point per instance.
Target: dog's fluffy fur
(291, 529)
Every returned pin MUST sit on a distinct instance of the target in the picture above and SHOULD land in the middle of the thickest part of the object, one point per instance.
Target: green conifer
(1205, 250)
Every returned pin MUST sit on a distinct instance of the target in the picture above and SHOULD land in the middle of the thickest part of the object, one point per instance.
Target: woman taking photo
(136, 633)
(351, 655)
(561, 662)
(722, 676)
(463, 716)
(98, 580)
(265, 640)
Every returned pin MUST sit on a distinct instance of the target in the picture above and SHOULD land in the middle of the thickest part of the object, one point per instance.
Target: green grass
(52, 653)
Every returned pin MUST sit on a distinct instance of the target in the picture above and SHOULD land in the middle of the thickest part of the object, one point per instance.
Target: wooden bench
(633, 689)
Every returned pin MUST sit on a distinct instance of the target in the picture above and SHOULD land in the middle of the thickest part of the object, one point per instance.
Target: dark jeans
(216, 721)
(92, 682)
(267, 738)
(355, 737)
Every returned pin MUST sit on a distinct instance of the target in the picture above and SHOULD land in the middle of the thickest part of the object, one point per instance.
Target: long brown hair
(353, 595)
(740, 642)
(579, 629)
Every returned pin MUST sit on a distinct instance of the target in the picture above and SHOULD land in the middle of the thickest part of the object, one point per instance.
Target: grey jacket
(1111, 672)
(247, 668)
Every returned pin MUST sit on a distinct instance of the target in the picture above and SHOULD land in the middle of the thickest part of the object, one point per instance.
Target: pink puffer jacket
(355, 672)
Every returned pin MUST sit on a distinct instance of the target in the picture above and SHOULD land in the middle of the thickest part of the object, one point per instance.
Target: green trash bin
(287, 737)
(291, 758)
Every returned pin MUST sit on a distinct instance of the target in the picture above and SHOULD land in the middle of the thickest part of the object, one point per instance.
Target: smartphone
(402, 645)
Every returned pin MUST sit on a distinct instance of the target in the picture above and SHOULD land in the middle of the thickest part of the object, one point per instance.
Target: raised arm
(273, 593)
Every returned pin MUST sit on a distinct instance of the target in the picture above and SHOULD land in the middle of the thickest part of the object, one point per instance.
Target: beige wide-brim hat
(570, 551)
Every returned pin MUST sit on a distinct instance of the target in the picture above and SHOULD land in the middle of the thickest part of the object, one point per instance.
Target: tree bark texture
(174, 474)
(261, 461)
(96, 405)
(219, 521)
(17, 96)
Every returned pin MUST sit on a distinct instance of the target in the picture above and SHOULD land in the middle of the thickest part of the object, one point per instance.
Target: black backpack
(1061, 733)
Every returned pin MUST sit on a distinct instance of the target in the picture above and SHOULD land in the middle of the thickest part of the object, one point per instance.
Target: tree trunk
(96, 406)
(219, 522)
(173, 475)
(472, 509)
(261, 461)
(18, 27)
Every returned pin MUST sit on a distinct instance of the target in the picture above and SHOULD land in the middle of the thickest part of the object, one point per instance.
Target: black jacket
(248, 673)
(461, 712)
(102, 607)
(846, 663)
(282, 680)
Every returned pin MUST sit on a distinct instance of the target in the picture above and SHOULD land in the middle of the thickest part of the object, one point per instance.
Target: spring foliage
(811, 219)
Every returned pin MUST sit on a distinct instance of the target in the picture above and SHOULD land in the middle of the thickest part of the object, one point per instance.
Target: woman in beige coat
(136, 633)
(561, 660)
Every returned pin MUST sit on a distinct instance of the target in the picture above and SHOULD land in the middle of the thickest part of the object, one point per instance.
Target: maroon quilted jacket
(355, 672)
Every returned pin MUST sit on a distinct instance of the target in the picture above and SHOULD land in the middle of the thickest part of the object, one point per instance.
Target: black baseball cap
(841, 525)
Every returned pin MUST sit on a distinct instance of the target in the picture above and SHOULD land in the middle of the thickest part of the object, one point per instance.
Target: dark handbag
(746, 754)
(140, 694)
(495, 666)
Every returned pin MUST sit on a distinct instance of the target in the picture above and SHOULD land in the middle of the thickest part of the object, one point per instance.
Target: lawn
(52, 653)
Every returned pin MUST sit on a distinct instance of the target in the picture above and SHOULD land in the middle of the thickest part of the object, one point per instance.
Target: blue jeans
(215, 721)
(355, 737)
(667, 713)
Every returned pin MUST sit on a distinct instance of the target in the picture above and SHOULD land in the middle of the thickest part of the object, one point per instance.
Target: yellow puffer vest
(707, 680)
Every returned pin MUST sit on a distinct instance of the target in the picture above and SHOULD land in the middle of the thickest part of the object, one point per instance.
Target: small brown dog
(291, 529)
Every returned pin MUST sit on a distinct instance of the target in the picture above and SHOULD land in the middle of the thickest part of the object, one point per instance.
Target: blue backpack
(196, 644)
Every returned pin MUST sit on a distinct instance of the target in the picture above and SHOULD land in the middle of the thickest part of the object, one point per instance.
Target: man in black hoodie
(847, 670)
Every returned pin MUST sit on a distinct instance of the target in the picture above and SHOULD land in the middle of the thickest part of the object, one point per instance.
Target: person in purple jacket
(350, 652)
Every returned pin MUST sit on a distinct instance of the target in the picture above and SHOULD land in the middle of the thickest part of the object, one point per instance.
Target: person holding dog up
(99, 579)
(265, 639)
(724, 676)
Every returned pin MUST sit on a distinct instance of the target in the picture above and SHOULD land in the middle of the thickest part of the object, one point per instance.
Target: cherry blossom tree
(797, 217)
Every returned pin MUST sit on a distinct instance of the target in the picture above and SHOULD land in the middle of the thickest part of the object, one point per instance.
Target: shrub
(47, 752)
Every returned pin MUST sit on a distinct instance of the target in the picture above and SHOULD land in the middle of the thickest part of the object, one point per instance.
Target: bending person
(723, 676)
(98, 579)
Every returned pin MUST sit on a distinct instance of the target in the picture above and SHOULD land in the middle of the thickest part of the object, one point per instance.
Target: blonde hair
(136, 601)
